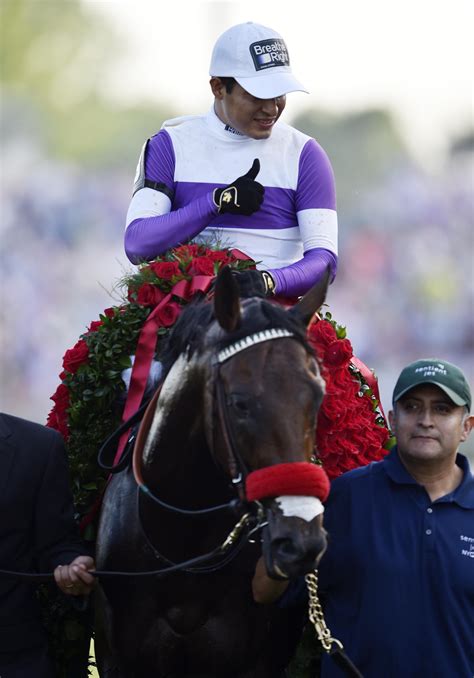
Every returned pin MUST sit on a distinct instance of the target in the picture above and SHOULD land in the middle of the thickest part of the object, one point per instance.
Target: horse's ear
(312, 300)
(226, 300)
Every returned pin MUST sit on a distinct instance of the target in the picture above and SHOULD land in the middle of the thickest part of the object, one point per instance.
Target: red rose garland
(351, 430)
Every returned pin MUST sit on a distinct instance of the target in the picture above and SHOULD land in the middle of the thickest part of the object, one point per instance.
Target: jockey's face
(248, 115)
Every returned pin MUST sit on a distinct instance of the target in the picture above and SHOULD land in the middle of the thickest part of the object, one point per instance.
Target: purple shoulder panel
(160, 159)
(316, 186)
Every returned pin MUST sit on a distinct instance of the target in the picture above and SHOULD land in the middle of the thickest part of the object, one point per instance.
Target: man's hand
(75, 579)
(243, 196)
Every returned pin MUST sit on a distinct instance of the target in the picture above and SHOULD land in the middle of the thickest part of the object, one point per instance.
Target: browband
(251, 340)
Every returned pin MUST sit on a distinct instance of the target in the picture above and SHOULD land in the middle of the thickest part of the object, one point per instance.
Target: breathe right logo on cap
(269, 53)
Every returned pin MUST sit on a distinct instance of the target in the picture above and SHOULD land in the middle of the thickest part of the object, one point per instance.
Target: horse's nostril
(287, 549)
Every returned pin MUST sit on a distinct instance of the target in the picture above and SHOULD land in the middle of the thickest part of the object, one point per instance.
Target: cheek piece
(298, 478)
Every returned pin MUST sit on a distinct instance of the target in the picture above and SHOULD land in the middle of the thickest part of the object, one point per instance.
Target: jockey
(198, 175)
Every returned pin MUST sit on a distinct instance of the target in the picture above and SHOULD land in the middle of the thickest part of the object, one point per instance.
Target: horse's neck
(175, 418)
(183, 474)
(176, 456)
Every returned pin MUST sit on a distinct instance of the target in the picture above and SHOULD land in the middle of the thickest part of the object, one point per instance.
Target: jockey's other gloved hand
(242, 196)
(254, 283)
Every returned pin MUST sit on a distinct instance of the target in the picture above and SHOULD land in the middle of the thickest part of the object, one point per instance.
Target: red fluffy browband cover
(296, 478)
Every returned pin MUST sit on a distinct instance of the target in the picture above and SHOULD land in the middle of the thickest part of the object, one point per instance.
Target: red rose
(149, 295)
(187, 251)
(94, 326)
(322, 333)
(165, 269)
(169, 314)
(109, 312)
(58, 422)
(201, 266)
(57, 418)
(218, 256)
(335, 409)
(76, 356)
(339, 353)
(348, 454)
(61, 398)
(344, 382)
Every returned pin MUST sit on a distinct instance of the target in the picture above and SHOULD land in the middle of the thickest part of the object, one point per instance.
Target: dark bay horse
(233, 427)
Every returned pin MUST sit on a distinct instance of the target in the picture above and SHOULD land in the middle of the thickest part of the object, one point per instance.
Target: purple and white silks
(294, 233)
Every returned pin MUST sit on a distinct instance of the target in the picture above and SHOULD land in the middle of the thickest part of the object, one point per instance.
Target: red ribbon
(146, 347)
(370, 380)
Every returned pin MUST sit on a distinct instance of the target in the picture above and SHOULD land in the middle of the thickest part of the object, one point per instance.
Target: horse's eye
(239, 405)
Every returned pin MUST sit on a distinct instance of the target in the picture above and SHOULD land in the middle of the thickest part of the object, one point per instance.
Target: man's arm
(149, 237)
(57, 543)
(152, 224)
(317, 222)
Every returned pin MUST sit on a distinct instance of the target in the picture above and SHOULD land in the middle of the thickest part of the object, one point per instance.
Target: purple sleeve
(316, 187)
(298, 278)
(315, 190)
(149, 237)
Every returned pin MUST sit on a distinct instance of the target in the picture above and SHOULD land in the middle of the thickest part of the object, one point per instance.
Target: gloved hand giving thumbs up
(242, 196)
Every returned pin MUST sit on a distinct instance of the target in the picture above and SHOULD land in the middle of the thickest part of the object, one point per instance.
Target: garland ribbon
(146, 347)
(370, 379)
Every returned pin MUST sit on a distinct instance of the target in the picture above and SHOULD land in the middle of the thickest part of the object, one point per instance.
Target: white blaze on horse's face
(303, 507)
(173, 386)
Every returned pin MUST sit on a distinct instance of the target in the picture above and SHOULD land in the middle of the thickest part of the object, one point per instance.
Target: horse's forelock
(191, 331)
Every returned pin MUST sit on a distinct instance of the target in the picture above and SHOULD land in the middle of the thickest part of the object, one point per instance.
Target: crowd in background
(404, 289)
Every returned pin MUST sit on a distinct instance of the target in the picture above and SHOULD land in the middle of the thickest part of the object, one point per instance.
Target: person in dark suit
(37, 533)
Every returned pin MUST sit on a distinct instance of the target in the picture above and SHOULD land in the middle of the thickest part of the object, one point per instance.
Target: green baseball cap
(447, 376)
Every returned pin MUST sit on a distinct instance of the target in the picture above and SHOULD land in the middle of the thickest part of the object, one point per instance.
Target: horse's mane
(189, 332)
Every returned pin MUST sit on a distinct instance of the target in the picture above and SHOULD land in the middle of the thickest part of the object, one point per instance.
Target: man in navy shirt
(398, 576)
(397, 580)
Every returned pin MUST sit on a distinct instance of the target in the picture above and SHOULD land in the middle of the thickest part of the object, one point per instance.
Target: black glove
(254, 283)
(243, 196)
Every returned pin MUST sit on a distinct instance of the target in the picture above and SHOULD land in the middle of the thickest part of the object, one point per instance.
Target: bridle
(236, 465)
(253, 516)
(253, 512)
(251, 521)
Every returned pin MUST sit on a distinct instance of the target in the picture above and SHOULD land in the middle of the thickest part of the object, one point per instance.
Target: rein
(234, 534)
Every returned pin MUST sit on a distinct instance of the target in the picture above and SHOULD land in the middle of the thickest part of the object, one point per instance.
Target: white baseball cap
(257, 57)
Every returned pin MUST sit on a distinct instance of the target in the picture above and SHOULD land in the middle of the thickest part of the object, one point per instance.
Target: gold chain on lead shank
(316, 615)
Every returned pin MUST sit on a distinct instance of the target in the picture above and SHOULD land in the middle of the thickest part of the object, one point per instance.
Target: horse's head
(263, 393)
